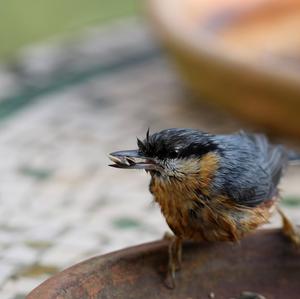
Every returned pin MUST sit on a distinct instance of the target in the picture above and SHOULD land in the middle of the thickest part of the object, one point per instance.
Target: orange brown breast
(193, 215)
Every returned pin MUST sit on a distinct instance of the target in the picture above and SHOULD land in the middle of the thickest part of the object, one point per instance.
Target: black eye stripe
(163, 151)
(197, 149)
(176, 143)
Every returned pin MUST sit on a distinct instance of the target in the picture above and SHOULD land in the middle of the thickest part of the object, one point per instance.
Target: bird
(211, 188)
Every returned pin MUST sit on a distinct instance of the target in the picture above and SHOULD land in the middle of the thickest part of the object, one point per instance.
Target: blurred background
(80, 79)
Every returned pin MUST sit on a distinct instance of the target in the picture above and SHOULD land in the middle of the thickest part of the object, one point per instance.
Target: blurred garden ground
(65, 104)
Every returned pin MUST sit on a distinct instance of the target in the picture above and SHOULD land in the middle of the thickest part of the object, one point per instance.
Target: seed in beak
(130, 161)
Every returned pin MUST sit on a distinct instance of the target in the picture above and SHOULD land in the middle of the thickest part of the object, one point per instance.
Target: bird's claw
(170, 280)
(289, 229)
(174, 263)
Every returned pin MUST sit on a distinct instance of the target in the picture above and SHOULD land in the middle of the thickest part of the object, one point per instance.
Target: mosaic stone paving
(63, 107)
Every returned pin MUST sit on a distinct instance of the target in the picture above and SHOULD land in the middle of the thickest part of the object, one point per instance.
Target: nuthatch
(210, 187)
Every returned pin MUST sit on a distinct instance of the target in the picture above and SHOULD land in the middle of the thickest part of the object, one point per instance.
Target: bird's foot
(289, 229)
(175, 259)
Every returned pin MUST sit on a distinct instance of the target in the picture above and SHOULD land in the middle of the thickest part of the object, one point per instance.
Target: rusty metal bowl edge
(264, 262)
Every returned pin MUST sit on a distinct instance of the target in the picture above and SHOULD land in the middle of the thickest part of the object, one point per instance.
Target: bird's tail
(293, 157)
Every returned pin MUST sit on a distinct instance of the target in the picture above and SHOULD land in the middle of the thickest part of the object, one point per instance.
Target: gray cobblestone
(20, 255)
(7, 269)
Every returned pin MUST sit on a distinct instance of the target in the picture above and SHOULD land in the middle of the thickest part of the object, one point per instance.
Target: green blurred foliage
(38, 174)
(126, 223)
(291, 201)
(23, 22)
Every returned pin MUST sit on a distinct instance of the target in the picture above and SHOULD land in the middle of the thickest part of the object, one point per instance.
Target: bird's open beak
(132, 159)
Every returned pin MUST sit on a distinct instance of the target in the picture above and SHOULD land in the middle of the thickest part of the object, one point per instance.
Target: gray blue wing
(250, 168)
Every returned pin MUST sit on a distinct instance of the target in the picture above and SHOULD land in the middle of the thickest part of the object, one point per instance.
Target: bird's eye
(173, 153)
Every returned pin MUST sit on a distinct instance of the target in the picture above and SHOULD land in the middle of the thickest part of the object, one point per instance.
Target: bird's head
(171, 153)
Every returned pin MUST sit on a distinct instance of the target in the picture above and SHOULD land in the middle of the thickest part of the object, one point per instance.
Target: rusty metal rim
(75, 275)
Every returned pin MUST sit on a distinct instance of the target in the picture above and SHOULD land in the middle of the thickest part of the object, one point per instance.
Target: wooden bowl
(264, 262)
(241, 54)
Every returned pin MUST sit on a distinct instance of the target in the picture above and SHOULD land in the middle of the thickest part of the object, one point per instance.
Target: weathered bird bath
(264, 262)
